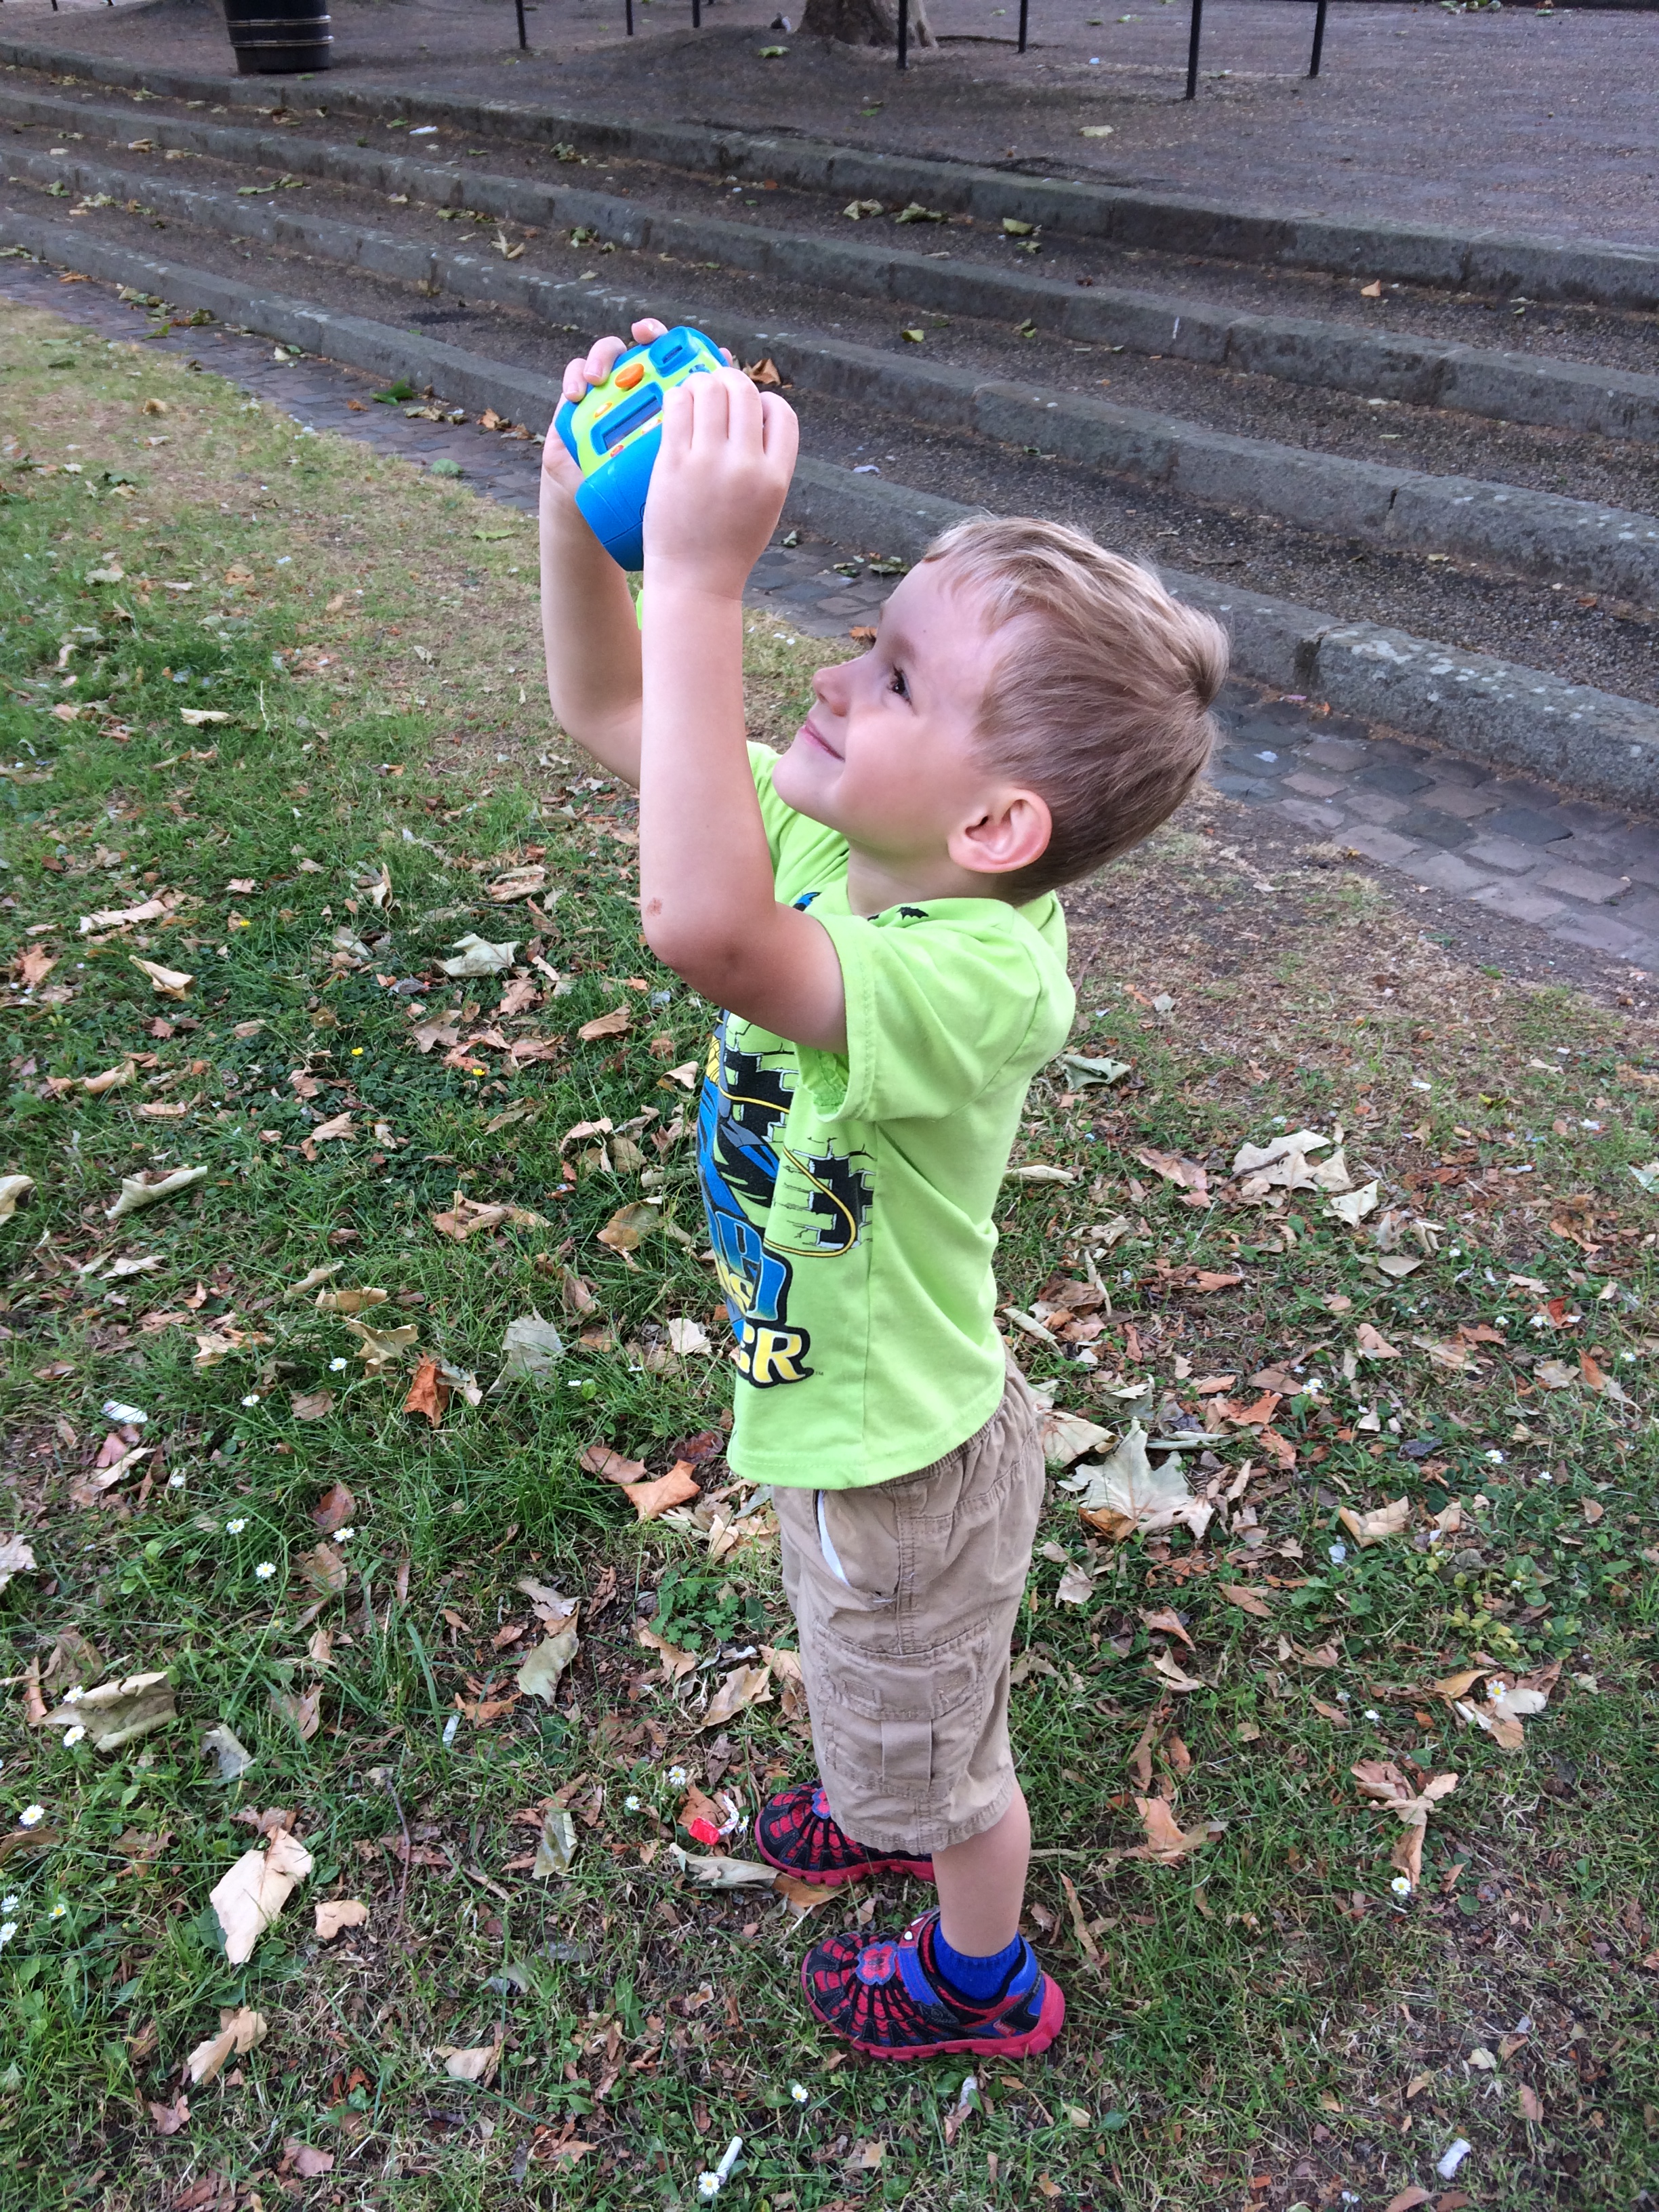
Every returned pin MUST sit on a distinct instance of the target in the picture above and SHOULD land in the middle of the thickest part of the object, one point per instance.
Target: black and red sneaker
(889, 1999)
(796, 1832)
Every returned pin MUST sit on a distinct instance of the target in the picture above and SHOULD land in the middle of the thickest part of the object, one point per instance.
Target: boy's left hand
(720, 482)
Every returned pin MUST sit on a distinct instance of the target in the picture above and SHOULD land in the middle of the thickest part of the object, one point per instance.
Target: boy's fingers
(597, 365)
(780, 430)
(648, 328)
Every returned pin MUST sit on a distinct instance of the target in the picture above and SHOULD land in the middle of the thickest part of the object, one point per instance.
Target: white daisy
(31, 1816)
(235, 1528)
(265, 1570)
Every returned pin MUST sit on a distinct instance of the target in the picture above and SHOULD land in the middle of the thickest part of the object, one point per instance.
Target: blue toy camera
(614, 432)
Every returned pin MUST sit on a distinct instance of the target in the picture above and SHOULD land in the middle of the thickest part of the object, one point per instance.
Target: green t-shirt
(850, 1196)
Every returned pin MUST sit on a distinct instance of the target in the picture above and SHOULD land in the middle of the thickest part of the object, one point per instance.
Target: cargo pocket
(907, 1754)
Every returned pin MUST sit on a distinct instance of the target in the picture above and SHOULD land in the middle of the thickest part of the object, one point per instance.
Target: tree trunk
(866, 22)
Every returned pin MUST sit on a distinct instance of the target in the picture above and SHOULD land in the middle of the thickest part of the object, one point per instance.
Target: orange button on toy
(626, 378)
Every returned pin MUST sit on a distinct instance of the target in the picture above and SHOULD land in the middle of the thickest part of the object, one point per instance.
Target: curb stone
(1510, 528)
(1509, 386)
(1603, 272)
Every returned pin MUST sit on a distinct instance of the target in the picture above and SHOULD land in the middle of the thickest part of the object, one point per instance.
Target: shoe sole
(1050, 2021)
(922, 1869)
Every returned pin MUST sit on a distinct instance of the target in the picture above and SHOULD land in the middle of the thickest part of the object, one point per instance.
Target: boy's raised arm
(707, 900)
(588, 629)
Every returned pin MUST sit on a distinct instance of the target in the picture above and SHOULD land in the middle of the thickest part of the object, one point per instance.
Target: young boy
(875, 909)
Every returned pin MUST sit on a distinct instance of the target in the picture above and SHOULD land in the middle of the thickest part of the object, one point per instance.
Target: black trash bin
(279, 37)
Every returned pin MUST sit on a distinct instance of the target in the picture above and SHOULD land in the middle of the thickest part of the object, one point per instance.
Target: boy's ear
(1011, 833)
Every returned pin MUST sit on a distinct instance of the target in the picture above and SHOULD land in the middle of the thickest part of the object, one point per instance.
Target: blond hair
(1102, 705)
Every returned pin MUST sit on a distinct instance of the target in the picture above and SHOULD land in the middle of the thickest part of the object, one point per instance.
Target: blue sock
(976, 1979)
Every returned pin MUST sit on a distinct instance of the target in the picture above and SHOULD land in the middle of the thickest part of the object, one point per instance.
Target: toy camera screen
(622, 422)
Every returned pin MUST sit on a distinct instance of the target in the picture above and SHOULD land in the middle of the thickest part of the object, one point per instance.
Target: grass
(1263, 2022)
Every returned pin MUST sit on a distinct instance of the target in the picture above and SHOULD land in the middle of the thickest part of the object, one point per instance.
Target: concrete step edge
(1539, 536)
(1587, 741)
(1511, 386)
(1602, 272)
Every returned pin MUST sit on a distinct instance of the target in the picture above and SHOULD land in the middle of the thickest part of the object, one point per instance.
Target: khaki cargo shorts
(906, 1596)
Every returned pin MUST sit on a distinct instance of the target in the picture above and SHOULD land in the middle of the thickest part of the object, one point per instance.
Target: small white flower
(1500, 1321)
(1344, 1696)
(1496, 1458)
(11, 1904)
(630, 1804)
(7, 1931)
(252, 1399)
(31, 1816)
(175, 1482)
(265, 1570)
(679, 1778)
(73, 1736)
(708, 2187)
(342, 1535)
(74, 1694)
(59, 1910)
(235, 1528)
(1371, 1713)
(799, 2091)
(1401, 1886)
(336, 1367)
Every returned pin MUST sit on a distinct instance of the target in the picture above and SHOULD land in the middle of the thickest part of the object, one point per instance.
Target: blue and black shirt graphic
(768, 1206)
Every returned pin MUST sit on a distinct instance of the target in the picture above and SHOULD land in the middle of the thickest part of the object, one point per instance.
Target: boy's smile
(887, 755)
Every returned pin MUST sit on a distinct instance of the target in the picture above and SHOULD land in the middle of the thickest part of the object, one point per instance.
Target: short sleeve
(940, 1007)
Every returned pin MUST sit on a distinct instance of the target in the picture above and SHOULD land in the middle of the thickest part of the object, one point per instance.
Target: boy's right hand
(580, 376)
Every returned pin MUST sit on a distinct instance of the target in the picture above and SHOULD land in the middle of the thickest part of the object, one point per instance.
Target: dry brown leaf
(1247, 1600)
(325, 1569)
(302, 1708)
(743, 1687)
(678, 1487)
(252, 1895)
(337, 1125)
(604, 1460)
(380, 1349)
(429, 1393)
(117, 1714)
(1168, 1621)
(1382, 1779)
(1376, 1524)
(169, 2119)
(310, 1405)
(170, 983)
(1372, 1343)
(675, 1661)
(333, 1510)
(349, 1302)
(478, 2064)
(614, 1024)
(629, 1225)
(241, 2032)
(1163, 1664)
(1167, 1842)
(309, 2163)
(334, 1913)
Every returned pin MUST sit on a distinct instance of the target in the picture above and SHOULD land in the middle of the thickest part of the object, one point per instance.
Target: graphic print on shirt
(822, 1207)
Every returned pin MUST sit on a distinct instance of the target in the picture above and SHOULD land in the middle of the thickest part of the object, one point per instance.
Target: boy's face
(886, 755)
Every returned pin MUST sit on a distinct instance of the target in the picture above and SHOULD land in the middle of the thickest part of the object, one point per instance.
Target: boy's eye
(896, 683)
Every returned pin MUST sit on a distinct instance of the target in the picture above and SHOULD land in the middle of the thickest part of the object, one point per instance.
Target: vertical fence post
(696, 15)
(904, 34)
(628, 9)
(524, 36)
(1319, 37)
(1192, 49)
(1024, 7)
